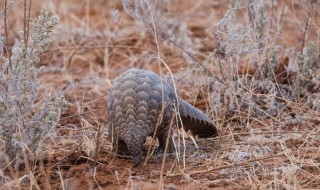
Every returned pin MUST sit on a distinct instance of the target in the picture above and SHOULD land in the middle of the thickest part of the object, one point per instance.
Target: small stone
(172, 187)
(211, 176)
(212, 185)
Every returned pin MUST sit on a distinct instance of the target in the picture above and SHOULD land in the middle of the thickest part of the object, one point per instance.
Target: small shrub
(22, 123)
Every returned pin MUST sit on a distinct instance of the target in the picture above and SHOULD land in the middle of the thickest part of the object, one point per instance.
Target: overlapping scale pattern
(135, 103)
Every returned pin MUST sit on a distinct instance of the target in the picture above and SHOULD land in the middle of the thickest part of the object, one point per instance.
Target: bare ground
(89, 50)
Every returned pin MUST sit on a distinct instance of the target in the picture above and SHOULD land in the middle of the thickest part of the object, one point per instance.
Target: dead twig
(229, 166)
(305, 32)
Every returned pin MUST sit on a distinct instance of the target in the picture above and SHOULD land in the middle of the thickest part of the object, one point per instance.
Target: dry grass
(265, 106)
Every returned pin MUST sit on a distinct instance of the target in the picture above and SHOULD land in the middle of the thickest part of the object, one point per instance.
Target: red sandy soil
(89, 50)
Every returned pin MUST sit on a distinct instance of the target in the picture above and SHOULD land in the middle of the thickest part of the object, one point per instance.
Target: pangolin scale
(135, 106)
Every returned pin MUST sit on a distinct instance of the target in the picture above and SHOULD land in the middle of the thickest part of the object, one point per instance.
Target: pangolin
(141, 104)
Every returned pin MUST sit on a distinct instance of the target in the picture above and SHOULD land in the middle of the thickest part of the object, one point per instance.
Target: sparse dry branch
(251, 65)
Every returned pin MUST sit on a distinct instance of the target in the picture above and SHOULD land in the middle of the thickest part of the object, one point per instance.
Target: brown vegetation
(263, 100)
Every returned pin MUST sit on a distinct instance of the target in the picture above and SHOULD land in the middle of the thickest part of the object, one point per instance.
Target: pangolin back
(135, 105)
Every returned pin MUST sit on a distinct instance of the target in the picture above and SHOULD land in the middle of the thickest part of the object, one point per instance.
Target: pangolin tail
(196, 121)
